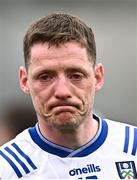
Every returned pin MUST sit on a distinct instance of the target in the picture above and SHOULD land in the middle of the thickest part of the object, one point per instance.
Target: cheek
(90, 94)
(38, 91)
(89, 90)
(89, 98)
(40, 97)
(36, 95)
(86, 96)
(38, 102)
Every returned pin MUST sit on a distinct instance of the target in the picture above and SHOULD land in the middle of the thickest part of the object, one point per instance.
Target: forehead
(70, 53)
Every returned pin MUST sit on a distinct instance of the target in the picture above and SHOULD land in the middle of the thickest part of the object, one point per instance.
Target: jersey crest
(126, 170)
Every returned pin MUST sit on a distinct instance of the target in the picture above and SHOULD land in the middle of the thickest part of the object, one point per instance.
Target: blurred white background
(114, 23)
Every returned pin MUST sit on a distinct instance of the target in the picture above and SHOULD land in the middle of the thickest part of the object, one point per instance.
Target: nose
(62, 89)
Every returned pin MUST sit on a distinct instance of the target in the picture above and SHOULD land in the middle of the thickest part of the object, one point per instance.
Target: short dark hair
(56, 29)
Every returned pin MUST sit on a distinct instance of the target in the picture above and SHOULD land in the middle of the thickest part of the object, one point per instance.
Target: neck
(72, 139)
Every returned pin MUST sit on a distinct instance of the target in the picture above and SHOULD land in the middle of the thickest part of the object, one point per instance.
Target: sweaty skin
(62, 83)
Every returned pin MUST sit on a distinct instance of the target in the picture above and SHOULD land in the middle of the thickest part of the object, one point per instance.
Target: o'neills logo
(89, 168)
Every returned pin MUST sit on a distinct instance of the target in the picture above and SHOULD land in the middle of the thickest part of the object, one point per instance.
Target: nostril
(62, 93)
(62, 96)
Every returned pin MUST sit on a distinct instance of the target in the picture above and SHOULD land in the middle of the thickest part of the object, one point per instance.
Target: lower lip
(64, 108)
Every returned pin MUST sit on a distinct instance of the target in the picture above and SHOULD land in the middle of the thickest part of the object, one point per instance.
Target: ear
(23, 80)
(99, 76)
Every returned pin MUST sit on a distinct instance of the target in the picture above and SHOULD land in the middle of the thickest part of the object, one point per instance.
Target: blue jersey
(111, 154)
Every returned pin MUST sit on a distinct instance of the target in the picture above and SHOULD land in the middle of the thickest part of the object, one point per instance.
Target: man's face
(62, 83)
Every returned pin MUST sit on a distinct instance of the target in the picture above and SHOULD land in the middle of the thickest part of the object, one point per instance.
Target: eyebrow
(52, 69)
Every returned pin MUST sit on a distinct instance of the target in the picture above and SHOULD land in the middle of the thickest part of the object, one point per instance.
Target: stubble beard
(66, 120)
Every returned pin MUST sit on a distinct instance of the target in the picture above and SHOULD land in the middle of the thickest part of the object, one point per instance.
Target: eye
(45, 77)
(77, 76)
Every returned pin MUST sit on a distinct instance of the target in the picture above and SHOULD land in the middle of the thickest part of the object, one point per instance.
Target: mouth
(64, 106)
(67, 109)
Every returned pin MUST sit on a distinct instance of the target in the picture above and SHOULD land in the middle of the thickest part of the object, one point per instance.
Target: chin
(66, 126)
(66, 121)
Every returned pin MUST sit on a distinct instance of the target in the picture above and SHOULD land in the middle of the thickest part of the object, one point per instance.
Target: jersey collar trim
(61, 151)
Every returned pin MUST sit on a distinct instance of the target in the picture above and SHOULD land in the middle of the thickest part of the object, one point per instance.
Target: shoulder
(123, 134)
(119, 125)
(16, 157)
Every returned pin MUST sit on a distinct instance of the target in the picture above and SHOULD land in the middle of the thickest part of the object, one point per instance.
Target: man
(69, 141)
